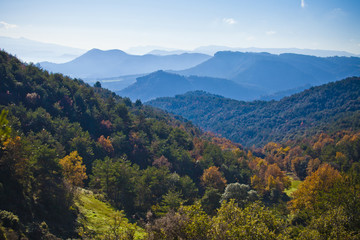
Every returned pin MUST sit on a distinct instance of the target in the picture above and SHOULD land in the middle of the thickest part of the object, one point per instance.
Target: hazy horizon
(185, 25)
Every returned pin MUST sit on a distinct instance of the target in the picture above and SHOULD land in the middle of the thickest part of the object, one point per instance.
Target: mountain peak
(96, 51)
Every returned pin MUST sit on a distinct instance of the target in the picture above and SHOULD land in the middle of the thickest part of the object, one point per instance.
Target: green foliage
(240, 193)
(333, 224)
(115, 178)
(211, 200)
(253, 222)
(230, 222)
(4, 128)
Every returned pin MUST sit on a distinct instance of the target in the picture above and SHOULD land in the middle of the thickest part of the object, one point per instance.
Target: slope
(329, 106)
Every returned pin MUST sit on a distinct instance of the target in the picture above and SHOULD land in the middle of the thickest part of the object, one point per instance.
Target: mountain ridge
(258, 122)
(276, 72)
(162, 84)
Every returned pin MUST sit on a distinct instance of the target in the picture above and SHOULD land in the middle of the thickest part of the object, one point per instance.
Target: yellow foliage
(308, 194)
(73, 170)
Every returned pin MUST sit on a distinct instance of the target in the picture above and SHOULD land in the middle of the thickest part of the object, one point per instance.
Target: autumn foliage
(212, 178)
(73, 169)
(310, 191)
(106, 144)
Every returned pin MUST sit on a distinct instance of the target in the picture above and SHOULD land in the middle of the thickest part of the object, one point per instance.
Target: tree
(115, 178)
(309, 195)
(97, 84)
(211, 200)
(162, 162)
(213, 178)
(4, 128)
(106, 144)
(332, 224)
(252, 222)
(241, 193)
(73, 169)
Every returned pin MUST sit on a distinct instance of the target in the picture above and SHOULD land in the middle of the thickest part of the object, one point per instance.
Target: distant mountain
(332, 106)
(143, 50)
(161, 84)
(274, 73)
(166, 52)
(113, 63)
(34, 51)
(211, 50)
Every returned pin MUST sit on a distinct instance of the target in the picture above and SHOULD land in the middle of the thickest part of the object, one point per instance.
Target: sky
(185, 24)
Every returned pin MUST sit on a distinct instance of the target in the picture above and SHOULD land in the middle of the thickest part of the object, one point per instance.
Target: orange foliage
(198, 150)
(106, 143)
(322, 141)
(107, 124)
(312, 166)
(212, 178)
(224, 143)
(267, 176)
(276, 179)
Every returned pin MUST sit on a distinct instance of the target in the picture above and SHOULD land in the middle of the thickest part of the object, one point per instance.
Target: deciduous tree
(73, 169)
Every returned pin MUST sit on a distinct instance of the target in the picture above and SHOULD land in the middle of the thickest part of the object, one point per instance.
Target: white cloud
(7, 25)
(270, 33)
(229, 21)
(303, 3)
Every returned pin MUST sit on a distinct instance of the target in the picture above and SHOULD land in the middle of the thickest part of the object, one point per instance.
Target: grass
(97, 217)
(294, 186)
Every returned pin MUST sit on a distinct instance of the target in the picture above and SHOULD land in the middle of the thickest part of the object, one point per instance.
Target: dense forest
(81, 162)
(331, 107)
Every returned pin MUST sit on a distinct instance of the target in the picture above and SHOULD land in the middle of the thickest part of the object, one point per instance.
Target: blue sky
(184, 24)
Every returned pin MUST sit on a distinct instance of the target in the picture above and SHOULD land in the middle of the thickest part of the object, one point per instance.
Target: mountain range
(327, 107)
(113, 63)
(164, 84)
(212, 49)
(274, 73)
(237, 75)
(246, 76)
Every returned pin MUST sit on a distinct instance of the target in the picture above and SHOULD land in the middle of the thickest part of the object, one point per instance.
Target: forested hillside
(331, 107)
(63, 133)
(80, 162)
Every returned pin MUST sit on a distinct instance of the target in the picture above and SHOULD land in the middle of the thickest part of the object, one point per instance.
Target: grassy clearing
(99, 220)
(293, 188)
